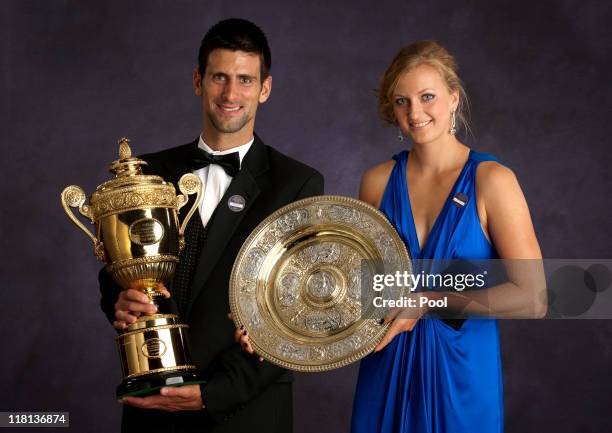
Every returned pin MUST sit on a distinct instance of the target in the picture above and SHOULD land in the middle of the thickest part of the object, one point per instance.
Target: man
(244, 181)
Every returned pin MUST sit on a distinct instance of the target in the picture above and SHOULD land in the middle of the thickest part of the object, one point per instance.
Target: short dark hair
(236, 34)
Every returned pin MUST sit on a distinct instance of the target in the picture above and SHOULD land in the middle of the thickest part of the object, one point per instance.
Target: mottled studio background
(76, 75)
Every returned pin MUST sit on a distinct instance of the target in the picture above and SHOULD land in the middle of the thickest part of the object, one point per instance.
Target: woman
(447, 202)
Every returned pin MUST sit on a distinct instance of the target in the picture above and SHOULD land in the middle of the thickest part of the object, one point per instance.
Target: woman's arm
(505, 218)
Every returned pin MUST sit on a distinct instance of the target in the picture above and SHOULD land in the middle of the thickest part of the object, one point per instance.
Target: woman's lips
(417, 125)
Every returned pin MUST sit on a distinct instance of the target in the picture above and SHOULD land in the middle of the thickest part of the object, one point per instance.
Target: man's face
(231, 90)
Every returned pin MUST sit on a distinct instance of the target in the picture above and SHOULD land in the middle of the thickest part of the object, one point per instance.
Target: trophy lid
(130, 188)
(128, 171)
(126, 165)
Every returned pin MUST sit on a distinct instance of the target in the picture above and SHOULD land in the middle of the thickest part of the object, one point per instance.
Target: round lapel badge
(236, 203)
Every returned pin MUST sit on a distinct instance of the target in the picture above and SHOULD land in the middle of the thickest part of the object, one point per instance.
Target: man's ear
(266, 89)
(197, 82)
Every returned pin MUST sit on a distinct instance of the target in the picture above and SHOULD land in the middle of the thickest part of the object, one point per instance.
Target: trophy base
(143, 386)
(154, 353)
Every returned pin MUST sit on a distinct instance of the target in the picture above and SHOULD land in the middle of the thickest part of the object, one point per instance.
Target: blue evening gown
(435, 379)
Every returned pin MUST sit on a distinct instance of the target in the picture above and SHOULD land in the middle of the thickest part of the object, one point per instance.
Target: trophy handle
(188, 184)
(74, 196)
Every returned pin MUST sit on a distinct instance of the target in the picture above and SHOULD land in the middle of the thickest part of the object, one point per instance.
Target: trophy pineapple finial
(126, 165)
(124, 148)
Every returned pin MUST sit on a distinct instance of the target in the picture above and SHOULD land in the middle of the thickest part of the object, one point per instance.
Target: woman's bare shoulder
(374, 181)
(492, 177)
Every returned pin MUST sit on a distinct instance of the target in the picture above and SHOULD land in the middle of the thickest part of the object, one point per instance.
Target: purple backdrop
(77, 75)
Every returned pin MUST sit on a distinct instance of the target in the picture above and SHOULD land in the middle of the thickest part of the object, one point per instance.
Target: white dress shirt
(215, 179)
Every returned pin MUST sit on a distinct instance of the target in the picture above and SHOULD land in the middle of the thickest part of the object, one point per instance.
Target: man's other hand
(171, 399)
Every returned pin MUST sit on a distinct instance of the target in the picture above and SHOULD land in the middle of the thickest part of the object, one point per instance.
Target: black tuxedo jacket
(241, 393)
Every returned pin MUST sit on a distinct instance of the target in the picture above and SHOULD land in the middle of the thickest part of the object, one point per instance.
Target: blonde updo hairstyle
(421, 52)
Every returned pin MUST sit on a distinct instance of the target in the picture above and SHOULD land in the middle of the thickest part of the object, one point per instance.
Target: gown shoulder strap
(479, 157)
(401, 156)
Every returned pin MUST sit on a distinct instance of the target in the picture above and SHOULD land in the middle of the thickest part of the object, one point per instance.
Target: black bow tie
(230, 162)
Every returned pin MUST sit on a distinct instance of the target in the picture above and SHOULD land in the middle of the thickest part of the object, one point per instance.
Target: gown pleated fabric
(435, 379)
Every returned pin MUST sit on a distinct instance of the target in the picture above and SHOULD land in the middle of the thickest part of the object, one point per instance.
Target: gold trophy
(138, 237)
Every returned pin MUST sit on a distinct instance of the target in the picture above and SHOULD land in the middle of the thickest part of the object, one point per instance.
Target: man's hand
(171, 399)
(132, 303)
(241, 337)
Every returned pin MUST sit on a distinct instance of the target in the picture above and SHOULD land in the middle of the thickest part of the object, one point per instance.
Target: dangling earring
(453, 128)
(400, 136)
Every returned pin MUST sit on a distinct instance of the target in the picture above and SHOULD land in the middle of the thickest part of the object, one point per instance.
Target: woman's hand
(402, 320)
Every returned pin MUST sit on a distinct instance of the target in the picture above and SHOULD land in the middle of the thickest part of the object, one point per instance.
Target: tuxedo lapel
(224, 222)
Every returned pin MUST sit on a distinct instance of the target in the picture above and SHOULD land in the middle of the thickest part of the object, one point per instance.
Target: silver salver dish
(302, 282)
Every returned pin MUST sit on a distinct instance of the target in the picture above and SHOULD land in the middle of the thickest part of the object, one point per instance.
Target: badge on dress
(236, 203)
(460, 199)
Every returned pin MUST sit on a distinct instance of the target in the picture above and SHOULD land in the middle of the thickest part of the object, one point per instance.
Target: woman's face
(423, 105)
